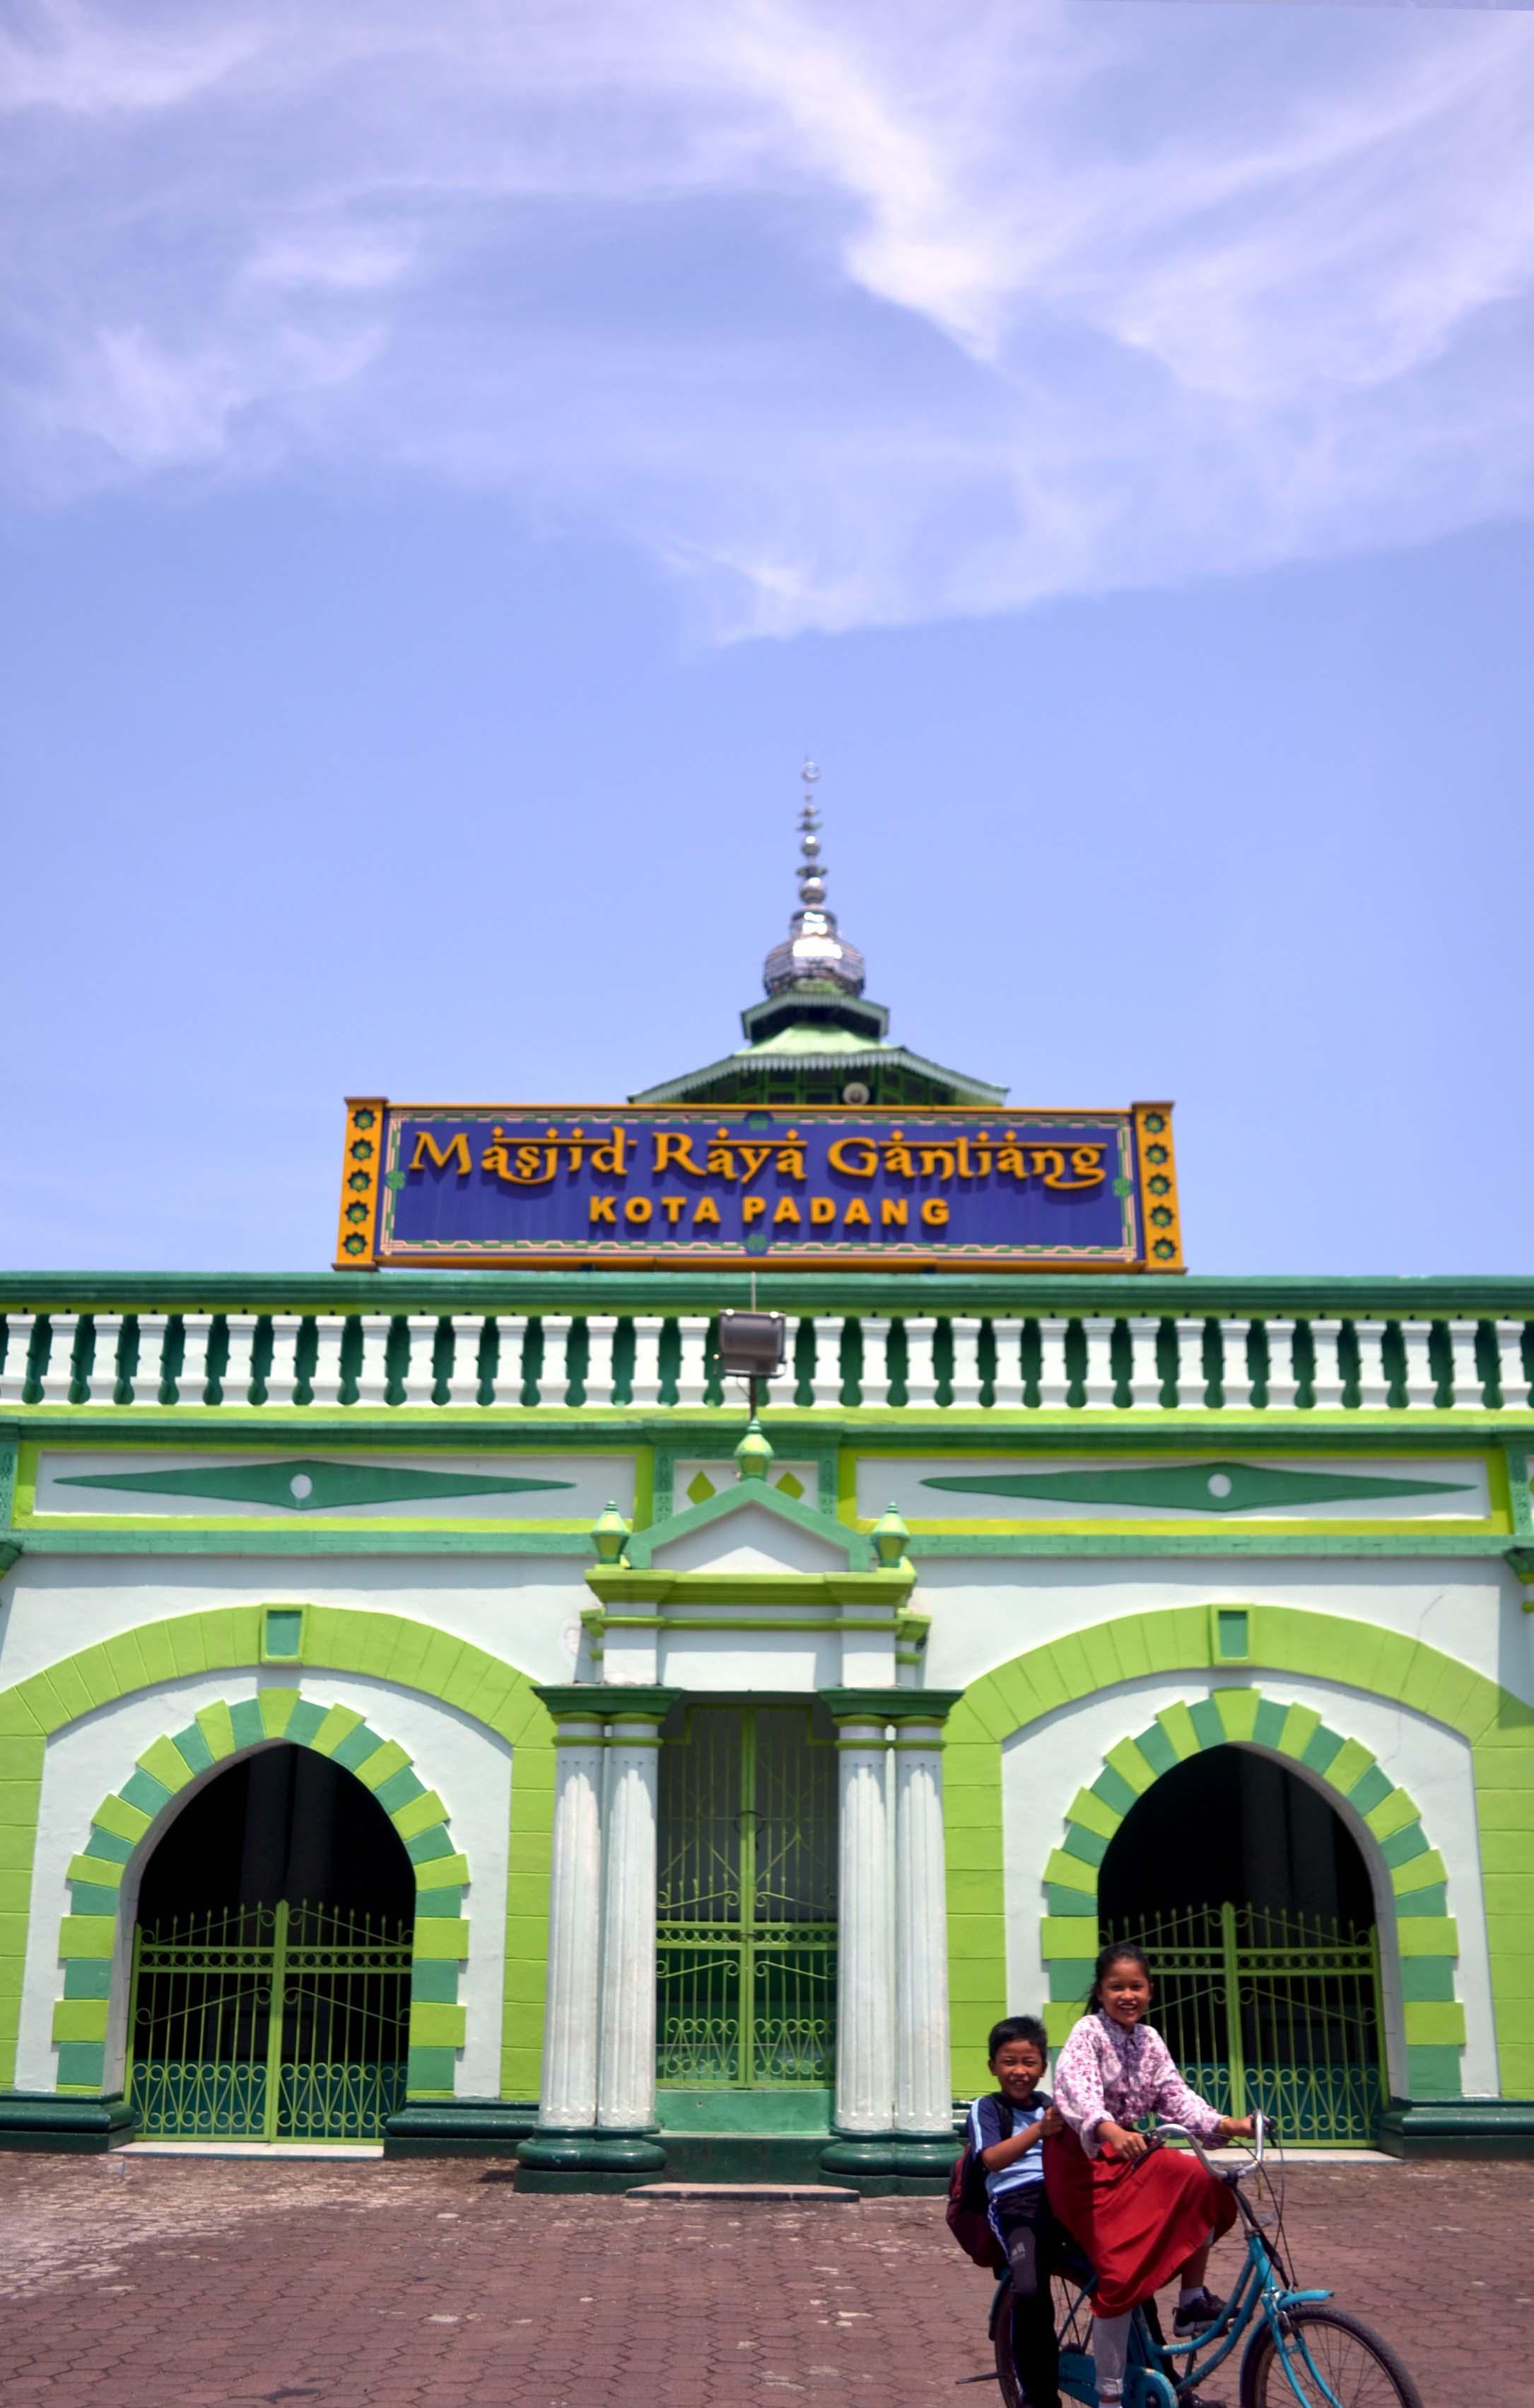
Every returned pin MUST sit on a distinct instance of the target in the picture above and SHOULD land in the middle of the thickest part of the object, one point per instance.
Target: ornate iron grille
(746, 1932)
(265, 2023)
(1278, 2011)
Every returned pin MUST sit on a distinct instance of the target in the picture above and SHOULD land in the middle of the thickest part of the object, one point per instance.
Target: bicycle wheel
(1336, 2361)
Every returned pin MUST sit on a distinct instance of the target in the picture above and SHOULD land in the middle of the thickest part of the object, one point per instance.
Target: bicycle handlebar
(1229, 2174)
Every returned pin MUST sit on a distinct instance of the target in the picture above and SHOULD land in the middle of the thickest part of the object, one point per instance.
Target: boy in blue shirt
(1006, 2131)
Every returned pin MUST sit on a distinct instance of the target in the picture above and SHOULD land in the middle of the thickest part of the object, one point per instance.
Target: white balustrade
(59, 1375)
(1421, 1379)
(463, 1379)
(1373, 1378)
(105, 1370)
(1282, 1374)
(1054, 1378)
(151, 1348)
(645, 1387)
(373, 1371)
(601, 1332)
(239, 1362)
(420, 1382)
(875, 1382)
(1464, 1379)
(1326, 1379)
(283, 1379)
(329, 1342)
(692, 1367)
(921, 1370)
(19, 1329)
(1144, 1367)
(1098, 1383)
(553, 1386)
(1509, 1366)
(826, 1380)
(965, 1377)
(1192, 1381)
(191, 1379)
(1236, 1376)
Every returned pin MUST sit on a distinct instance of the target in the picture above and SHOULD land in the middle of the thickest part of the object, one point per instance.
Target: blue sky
(452, 469)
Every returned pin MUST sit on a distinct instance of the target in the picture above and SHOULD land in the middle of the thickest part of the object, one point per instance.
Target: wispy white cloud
(848, 316)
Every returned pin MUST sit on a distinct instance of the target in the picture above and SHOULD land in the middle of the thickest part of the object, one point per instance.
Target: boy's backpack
(966, 2219)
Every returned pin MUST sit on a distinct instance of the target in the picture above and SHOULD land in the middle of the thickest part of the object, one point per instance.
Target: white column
(567, 2089)
(553, 1384)
(1374, 1380)
(1326, 1379)
(691, 1370)
(1054, 1379)
(965, 1375)
(1509, 1359)
(645, 1387)
(151, 1347)
(865, 1953)
(923, 2080)
(1098, 1385)
(1421, 1387)
(239, 1370)
(104, 1371)
(421, 1367)
(1236, 1377)
(920, 1372)
(1144, 1375)
(19, 1329)
(283, 1379)
(826, 1380)
(1008, 1383)
(463, 1379)
(1191, 1385)
(192, 1380)
(626, 2086)
(876, 1360)
(373, 1371)
(601, 1329)
(57, 1377)
(325, 1379)
(1282, 1383)
(511, 1342)
(1464, 1379)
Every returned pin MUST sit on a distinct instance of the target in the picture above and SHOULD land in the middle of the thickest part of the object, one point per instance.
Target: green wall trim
(335, 1639)
(1284, 1640)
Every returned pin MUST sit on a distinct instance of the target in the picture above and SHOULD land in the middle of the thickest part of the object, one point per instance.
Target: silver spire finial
(815, 950)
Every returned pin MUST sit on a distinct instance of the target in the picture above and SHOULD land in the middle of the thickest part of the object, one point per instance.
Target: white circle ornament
(300, 1486)
(1219, 1484)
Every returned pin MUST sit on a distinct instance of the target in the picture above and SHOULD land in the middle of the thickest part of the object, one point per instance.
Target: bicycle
(1299, 2349)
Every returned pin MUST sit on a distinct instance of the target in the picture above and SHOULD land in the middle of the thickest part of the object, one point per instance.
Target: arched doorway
(271, 1960)
(1252, 1900)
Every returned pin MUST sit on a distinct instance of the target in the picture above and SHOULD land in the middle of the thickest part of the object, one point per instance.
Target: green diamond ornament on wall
(1195, 1487)
(304, 1484)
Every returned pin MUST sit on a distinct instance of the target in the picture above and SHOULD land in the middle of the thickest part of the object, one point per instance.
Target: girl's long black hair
(1114, 1953)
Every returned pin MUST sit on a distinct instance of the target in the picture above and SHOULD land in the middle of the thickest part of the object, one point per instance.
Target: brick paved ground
(156, 2282)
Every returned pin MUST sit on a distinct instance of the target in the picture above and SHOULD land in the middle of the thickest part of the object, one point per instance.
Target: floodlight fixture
(751, 1345)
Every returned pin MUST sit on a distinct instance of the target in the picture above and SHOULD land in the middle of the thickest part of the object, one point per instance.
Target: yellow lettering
(897, 1161)
(1087, 1163)
(756, 1158)
(841, 1150)
(1049, 1164)
(822, 1208)
(530, 1170)
(721, 1162)
(673, 1207)
(856, 1215)
(752, 1207)
(705, 1211)
(1010, 1158)
(613, 1156)
(936, 1161)
(934, 1212)
(893, 1211)
(787, 1211)
(455, 1151)
(675, 1146)
(600, 1209)
(638, 1209)
(791, 1158)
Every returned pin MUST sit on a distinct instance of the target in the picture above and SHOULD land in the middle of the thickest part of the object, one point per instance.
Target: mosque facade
(444, 1703)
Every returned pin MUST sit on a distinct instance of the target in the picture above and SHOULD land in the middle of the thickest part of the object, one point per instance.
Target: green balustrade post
(1235, 2049)
(274, 2021)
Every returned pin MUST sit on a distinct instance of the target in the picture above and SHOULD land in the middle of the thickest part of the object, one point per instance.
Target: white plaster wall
(986, 1610)
(1043, 1767)
(524, 1609)
(469, 1767)
(750, 1541)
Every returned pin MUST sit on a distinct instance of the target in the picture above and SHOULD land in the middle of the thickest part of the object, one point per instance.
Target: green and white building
(427, 1712)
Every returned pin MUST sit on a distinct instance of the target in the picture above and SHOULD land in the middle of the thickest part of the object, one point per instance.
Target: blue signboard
(795, 1186)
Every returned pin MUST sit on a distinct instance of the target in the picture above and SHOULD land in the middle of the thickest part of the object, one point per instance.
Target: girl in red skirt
(1140, 2214)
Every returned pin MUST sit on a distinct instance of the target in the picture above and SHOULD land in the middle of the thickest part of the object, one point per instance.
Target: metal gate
(1273, 2010)
(261, 2023)
(746, 1931)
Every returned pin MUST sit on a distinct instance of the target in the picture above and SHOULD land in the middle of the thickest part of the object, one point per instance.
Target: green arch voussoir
(380, 1646)
(1498, 1727)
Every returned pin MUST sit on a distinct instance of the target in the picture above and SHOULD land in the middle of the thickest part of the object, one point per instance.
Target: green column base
(888, 2165)
(89, 2128)
(1459, 2127)
(460, 2127)
(588, 2160)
